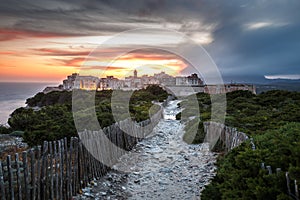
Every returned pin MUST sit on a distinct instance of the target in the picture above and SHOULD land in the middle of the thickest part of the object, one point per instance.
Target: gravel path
(161, 166)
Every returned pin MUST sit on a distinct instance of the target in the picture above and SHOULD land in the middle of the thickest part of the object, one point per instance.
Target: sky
(49, 39)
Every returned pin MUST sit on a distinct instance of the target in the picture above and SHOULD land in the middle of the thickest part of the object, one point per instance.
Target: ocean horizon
(13, 95)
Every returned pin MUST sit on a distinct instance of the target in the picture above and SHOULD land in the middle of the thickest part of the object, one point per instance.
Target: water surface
(14, 95)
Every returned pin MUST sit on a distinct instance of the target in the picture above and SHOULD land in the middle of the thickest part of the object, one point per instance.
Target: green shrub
(54, 119)
(5, 130)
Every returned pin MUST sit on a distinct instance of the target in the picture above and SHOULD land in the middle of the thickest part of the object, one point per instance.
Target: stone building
(221, 89)
(192, 80)
(110, 83)
(75, 81)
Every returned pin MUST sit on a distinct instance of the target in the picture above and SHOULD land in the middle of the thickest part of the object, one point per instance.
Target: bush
(239, 175)
(4, 129)
(272, 119)
(17, 134)
(54, 120)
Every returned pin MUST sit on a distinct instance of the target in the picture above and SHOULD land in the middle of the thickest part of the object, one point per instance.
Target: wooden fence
(291, 184)
(230, 137)
(59, 169)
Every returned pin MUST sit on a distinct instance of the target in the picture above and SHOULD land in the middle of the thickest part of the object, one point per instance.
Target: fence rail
(59, 169)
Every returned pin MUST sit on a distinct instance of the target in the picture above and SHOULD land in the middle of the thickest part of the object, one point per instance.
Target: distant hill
(278, 84)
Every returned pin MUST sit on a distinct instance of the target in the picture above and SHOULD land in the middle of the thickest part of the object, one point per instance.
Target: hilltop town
(135, 82)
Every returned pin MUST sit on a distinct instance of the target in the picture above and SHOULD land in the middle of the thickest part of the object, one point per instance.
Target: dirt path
(161, 166)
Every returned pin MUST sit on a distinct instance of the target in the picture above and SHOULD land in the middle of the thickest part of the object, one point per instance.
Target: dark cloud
(260, 38)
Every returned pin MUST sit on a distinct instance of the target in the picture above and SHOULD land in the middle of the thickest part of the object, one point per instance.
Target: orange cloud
(58, 52)
(72, 62)
(7, 34)
(135, 56)
(110, 68)
(7, 53)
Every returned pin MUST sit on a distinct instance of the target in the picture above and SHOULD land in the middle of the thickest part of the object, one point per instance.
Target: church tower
(135, 74)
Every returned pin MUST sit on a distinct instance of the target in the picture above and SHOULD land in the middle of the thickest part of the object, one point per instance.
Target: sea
(14, 95)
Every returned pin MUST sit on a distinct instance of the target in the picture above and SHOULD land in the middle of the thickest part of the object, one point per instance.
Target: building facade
(75, 81)
(192, 80)
(134, 82)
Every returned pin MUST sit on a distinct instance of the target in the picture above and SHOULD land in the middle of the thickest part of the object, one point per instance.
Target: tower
(135, 73)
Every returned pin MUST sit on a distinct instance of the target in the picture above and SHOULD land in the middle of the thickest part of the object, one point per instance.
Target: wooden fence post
(296, 189)
(81, 165)
(33, 175)
(76, 163)
(25, 172)
(70, 168)
(2, 186)
(60, 169)
(56, 169)
(51, 157)
(38, 176)
(63, 180)
(288, 182)
(44, 171)
(19, 183)
(67, 179)
(269, 169)
(10, 178)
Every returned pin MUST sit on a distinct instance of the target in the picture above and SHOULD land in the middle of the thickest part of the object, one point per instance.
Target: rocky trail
(162, 166)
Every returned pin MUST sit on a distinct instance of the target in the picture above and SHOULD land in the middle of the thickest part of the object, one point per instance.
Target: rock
(103, 193)
(86, 190)
(136, 181)
(165, 170)
(88, 194)
(163, 183)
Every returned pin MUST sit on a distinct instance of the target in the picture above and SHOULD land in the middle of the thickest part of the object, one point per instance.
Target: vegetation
(4, 129)
(272, 119)
(50, 115)
(194, 130)
(240, 175)
(252, 114)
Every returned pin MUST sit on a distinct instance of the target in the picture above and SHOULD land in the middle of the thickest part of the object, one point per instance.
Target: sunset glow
(47, 40)
(27, 56)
